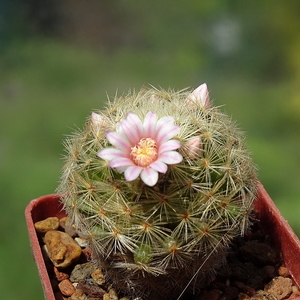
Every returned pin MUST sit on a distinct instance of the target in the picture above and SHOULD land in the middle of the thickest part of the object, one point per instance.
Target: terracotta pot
(272, 223)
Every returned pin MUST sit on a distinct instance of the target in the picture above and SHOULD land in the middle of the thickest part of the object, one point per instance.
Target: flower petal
(149, 176)
(168, 146)
(130, 131)
(167, 132)
(170, 157)
(149, 124)
(110, 153)
(118, 140)
(136, 122)
(132, 172)
(96, 117)
(99, 122)
(163, 121)
(199, 96)
(159, 166)
(193, 147)
(121, 162)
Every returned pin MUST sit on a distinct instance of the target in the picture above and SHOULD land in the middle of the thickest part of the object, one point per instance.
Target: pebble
(243, 296)
(60, 276)
(262, 295)
(98, 277)
(83, 243)
(82, 271)
(61, 248)
(43, 226)
(65, 223)
(279, 286)
(108, 296)
(283, 271)
(66, 287)
(87, 253)
(92, 291)
(78, 295)
(113, 294)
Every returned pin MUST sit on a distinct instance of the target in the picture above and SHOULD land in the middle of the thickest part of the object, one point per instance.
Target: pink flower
(143, 148)
(199, 96)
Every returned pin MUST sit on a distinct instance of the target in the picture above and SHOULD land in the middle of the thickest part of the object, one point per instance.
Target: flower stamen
(144, 153)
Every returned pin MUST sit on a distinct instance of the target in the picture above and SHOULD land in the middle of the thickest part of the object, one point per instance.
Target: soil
(254, 271)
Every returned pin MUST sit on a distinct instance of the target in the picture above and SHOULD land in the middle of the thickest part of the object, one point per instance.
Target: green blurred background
(60, 59)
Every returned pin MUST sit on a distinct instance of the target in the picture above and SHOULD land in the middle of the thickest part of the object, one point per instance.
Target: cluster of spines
(186, 220)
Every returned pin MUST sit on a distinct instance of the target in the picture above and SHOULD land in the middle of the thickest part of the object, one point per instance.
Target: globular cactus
(159, 182)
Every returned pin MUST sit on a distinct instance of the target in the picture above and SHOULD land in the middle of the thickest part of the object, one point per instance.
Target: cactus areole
(159, 183)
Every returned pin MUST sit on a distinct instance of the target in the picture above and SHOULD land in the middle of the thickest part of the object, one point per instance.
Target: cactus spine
(156, 228)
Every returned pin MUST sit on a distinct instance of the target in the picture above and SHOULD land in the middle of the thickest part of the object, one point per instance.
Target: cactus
(159, 183)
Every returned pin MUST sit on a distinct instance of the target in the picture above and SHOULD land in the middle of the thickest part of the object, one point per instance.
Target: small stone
(125, 298)
(249, 290)
(279, 286)
(81, 242)
(106, 296)
(62, 249)
(262, 295)
(113, 294)
(66, 287)
(283, 271)
(98, 277)
(60, 276)
(78, 295)
(295, 289)
(82, 271)
(68, 227)
(43, 226)
(242, 296)
(45, 253)
(91, 290)
(87, 253)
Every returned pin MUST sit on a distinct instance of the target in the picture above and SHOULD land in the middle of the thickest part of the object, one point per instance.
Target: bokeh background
(60, 59)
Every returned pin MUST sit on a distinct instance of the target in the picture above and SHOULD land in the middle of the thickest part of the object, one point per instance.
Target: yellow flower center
(144, 153)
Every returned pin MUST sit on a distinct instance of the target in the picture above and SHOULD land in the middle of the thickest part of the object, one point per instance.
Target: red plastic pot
(37, 210)
(271, 220)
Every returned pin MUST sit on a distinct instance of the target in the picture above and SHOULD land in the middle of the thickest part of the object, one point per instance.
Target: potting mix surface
(253, 271)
